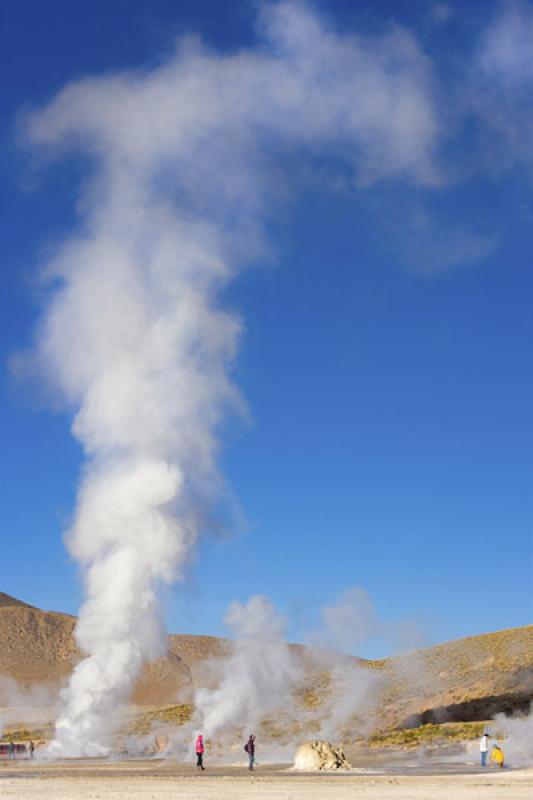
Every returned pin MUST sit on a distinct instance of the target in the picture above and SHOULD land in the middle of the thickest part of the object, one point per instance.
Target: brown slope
(7, 600)
(465, 680)
(38, 647)
(470, 678)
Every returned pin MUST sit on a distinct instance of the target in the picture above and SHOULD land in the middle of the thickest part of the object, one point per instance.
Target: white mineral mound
(320, 755)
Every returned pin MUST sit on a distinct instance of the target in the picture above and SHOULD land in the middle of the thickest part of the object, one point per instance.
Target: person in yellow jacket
(497, 756)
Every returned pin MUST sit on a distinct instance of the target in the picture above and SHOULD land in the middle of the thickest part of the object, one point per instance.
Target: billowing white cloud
(188, 161)
(259, 676)
(201, 114)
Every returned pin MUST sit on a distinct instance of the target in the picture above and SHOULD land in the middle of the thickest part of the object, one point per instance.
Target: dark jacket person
(250, 749)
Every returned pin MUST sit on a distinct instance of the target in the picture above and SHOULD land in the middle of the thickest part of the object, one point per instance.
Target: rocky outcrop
(319, 755)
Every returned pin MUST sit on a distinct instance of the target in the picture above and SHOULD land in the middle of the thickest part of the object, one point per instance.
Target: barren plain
(164, 779)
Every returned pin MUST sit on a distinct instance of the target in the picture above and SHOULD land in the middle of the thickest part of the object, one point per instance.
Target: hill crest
(466, 679)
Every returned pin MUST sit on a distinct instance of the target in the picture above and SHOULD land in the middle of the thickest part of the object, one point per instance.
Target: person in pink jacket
(200, 749)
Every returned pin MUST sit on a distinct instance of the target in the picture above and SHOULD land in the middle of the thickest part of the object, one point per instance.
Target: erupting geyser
(135, 337)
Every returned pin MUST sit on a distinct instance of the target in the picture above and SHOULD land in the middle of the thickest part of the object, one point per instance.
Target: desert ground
(153, 779)
(427, 748)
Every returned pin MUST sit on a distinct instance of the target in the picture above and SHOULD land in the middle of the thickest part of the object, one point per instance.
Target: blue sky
(386, 356)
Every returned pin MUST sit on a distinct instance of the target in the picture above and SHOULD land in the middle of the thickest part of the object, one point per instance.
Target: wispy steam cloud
(259, 676)
(187, 161)
(263, 677)
(185, 166)
(502, 82)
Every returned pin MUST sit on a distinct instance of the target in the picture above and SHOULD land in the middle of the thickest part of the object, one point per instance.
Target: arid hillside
(7, 600)
(38, 647)
(469, 679)
(466, 680)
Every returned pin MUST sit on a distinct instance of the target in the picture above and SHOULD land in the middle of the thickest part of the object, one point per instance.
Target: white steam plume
(33, 705)
(258, 677)
(518, 742)
(353, 621)
(134, 336)
(263, 674)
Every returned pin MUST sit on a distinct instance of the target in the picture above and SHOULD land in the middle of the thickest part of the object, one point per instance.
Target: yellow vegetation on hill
(464, 681)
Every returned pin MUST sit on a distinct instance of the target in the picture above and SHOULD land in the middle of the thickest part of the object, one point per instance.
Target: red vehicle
(19, 750)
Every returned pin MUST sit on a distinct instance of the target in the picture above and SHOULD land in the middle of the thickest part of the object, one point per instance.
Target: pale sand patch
(281, 786)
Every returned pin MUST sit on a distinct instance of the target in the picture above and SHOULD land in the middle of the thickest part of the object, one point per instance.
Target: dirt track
(162, 780)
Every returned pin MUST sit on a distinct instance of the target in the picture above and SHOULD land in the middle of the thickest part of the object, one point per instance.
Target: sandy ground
(158, 780)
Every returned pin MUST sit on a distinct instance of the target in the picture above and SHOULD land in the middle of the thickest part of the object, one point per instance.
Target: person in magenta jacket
(200, 749)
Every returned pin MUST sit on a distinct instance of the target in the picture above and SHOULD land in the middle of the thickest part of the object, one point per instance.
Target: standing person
(200, 750)
(32, 748)
(484, 748)
(497, 757)
(250, 749)
(11, 749)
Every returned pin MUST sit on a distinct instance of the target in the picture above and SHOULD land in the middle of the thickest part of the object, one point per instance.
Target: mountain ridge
(466, 679)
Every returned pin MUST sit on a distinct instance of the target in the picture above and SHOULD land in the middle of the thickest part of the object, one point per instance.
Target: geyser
(259, 674)
(187, 159)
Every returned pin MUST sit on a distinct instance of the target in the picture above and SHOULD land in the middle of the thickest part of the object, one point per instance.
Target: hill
(465, 680)
(469, 679)
(38, 647)
(7, 600)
